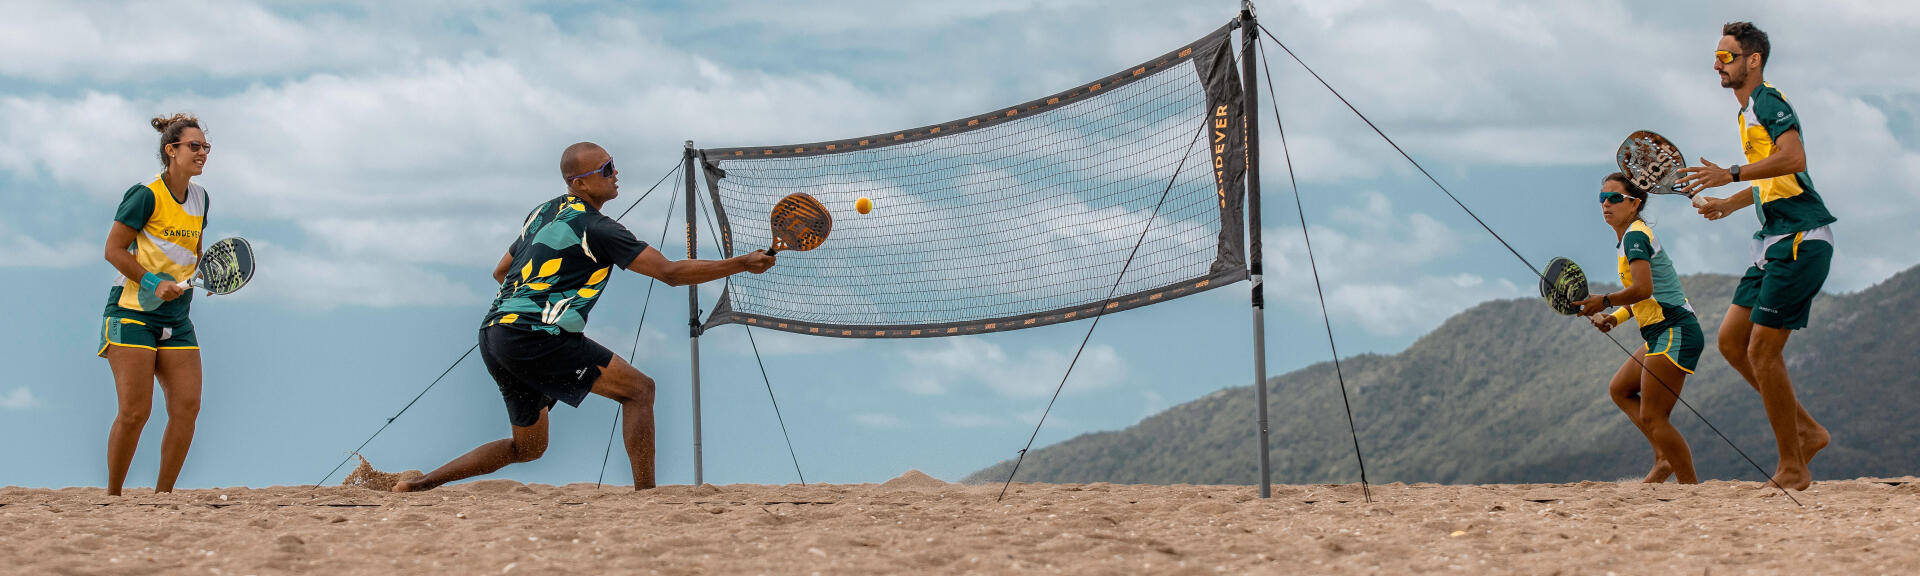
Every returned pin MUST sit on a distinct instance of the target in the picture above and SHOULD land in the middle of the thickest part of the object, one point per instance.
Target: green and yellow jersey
(1668, 303)
(561, 263)
(167, 246)
(1785, 204)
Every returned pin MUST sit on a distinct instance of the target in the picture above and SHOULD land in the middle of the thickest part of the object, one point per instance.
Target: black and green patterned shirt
(561, 263)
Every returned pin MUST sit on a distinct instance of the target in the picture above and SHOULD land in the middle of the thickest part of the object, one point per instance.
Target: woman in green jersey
(154, 243)
(1648, 384)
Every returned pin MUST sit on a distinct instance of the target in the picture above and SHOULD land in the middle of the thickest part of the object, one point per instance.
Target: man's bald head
(581, 157)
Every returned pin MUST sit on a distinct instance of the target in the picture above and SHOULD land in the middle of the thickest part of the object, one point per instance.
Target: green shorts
(131, 333)
(1679, 340)
(1781, 287)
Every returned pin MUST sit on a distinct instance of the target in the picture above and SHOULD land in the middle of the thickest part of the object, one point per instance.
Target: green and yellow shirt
(168, 246)
(1784, 204)
(561, 263)
(1668, 303)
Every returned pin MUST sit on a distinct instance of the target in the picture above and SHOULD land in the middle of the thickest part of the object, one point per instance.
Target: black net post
(693, 319)
(1249, 37)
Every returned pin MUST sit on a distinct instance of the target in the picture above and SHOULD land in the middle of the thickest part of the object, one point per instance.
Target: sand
(919, 524)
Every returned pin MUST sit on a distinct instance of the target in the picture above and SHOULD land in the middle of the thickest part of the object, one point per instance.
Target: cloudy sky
(381, 154)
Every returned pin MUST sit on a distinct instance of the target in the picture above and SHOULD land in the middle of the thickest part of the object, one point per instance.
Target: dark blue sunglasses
(605, 171)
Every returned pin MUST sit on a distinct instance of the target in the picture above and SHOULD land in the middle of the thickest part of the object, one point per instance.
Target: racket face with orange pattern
(800, 222)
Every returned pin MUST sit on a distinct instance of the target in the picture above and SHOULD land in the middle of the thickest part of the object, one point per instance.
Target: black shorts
(535, 369)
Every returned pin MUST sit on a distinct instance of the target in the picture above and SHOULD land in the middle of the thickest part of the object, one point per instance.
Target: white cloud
(22, 251)
(1378, 269)
(309, 280)
(388, 142)
(978, 361)
(403, 181)
(20, 398)
(113, 41)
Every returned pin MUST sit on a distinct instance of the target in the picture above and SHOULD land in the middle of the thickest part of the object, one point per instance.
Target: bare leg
(133, 381)
(1660, 388)
(1736, 334)
(1625, 391)
(526, 445)
(1776, 393)
(625, 384)
(179, 372)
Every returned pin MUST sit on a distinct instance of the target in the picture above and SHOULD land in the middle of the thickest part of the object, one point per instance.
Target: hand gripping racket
(1563, 285)
(1651, 162)
(800, 222)
(224, 268)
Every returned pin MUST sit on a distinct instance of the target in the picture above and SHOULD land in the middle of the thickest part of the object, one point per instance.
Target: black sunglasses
(605, 171)
(196, 146)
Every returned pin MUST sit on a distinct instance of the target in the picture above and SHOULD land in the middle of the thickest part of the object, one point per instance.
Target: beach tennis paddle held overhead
(800, 222)
(1563, 286)
(1652, 163)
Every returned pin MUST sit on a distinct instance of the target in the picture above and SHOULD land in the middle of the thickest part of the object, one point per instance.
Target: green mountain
(1509, 392)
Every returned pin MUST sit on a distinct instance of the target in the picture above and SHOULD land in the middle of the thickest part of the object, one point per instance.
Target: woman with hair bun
(154, 243)
(1648, 385)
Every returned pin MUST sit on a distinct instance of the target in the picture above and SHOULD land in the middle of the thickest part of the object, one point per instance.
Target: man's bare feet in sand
(1801, 478)
(1660, 473)
(407, 486)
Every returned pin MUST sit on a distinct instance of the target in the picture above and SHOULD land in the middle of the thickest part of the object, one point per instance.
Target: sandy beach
(918, 524)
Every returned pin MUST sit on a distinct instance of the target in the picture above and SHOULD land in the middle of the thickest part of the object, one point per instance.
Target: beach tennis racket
(1651, 162)
(225, 267)
(800, 222)
(1563, 285)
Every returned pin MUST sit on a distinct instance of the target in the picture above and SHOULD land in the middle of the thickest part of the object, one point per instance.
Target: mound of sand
(365, 476)
(914, 480)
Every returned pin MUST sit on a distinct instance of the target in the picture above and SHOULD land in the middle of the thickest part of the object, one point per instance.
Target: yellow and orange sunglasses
(1726, 57)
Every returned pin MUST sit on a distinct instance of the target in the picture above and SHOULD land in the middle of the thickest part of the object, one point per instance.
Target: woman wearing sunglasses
(154, 243)
(1648, 384)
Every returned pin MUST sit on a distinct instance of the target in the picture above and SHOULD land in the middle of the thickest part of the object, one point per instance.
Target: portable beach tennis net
(1020, 217)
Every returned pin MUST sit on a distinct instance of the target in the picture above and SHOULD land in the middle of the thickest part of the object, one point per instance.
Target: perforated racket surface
(224, 267)
(1651, 162)
(800, 222)
(1562, 285)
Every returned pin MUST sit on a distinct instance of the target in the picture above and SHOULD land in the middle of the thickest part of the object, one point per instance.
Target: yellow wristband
(1621, 314)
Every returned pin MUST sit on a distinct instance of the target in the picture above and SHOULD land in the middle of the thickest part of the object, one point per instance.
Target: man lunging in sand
(1791, 253)
(531, 339)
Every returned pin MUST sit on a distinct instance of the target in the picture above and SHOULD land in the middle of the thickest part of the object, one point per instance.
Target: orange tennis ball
(863, 205)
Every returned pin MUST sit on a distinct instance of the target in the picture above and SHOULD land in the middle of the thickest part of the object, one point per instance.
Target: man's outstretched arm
(684, 272)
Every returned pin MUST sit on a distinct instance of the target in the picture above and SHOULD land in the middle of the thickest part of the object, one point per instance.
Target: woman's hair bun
(160, 123)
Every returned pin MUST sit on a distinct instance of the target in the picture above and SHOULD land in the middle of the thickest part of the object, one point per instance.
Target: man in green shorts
(1791, 253)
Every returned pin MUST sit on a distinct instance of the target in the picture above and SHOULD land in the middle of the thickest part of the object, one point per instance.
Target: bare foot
(1812, 442)
(1660, 472)
(405, 486)
(1795, 479)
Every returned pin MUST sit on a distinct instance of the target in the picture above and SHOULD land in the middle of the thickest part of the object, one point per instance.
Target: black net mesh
(1017, 218)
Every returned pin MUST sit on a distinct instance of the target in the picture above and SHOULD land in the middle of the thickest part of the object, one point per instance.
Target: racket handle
(772, 251)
